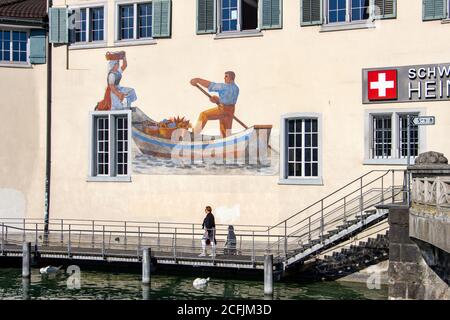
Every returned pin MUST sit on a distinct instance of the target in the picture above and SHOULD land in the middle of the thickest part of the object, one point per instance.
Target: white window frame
(236, 33)
(395, 158)
(284, 178)
(135, 40)
(348, 24)
(89, 43)
(112, 175)
(20, 64)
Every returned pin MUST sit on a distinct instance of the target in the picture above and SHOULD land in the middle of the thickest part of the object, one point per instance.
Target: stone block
(399, 234)
(415, 291)
(398, 216)
(409, 253)
(394, 252)
(397, 290)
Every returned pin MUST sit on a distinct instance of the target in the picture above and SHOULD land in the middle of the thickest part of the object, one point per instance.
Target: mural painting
(174, 146)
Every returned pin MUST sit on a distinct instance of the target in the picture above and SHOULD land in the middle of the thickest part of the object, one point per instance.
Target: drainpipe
(49, 135)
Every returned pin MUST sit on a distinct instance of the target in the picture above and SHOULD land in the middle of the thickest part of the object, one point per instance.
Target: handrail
(386, 172)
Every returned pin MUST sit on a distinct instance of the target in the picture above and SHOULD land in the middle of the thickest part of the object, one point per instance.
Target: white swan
(199, 282)
(50, 270)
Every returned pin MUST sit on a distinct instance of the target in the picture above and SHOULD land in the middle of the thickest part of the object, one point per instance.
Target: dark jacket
(209, 223)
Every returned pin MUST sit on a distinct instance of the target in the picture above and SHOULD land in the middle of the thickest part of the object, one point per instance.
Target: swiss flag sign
(382, 84)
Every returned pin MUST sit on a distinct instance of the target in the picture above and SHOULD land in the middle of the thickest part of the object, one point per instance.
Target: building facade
(311, 84)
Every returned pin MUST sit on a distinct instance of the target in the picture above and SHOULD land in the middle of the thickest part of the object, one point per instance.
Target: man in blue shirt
(226, 101)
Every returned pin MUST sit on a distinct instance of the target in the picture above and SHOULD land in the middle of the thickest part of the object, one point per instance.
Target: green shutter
(37, 46)
(385, 9)
(311, 12)
(271, 11)
(206, 16)
(161, 18)
(59, 30)
(434, 9)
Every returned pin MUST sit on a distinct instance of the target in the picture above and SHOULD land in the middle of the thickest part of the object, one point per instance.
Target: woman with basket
(116, 96)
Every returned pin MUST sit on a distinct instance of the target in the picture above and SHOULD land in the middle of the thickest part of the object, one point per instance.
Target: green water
(107, 286)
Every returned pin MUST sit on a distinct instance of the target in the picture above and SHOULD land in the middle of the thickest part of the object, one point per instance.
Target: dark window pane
(315, 155)
(291, 140)
(315, 169)
(291, 167)
(298, 125)
(298, 154)
(307, 154)
(307, 125)
(298, 169)
(314, 140)
(298, 140)
(291, 155)
(314, 125)
(307, 169)
(308, 140)
(291, 126)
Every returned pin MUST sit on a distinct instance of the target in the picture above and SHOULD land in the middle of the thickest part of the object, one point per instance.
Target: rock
(431, 157)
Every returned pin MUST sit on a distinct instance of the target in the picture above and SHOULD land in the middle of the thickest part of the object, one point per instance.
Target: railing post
(382, 189)
(321, 221)
(26, 260)
(193, 236)
(345, 209)
(278, 247)
(158, 233)
(69, 249)
(361, 205)
(309, 228)
(103, 241)
(175, 245)
(268, 239)
(285, 239)
(253, 247)
(139, 241)
(393, 184)
(125, 235)
(24, 234)
(36, 238)
(62, 231)
(268, 274)
(3, 239)
(93, 233)
(146, 262)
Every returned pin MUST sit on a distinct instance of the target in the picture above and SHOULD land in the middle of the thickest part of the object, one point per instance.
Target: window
(135, 21)
(348, 10)
(413, 136)
(382, 136)
(110, 155)
(435, 9)
(388, 137)
(13, 46)
(301, 158)
(89, 24)
(237, 15)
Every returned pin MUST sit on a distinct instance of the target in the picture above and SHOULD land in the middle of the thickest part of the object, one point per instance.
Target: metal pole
(408, 154)
(69, 244)
(175, 245)
(361, 207)
(382, 189)
(36, 238)
(268, 274)
(309, 228)
(139, 241)
(3, 239)
(24, 227)
(26, 260)
(345, 209)
(253, 246)
(193, 236)
(62, 231)
(393, 184)
(125, 234)
(158, 233)
(93, 234)
(146, 262)
(285, 239)
(321, 221)
(268, 238)
(103, 242)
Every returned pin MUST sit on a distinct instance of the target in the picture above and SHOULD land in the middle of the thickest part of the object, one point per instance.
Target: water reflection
(106, 286)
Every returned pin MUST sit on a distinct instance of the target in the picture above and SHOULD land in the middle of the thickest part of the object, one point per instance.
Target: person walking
(209, 237)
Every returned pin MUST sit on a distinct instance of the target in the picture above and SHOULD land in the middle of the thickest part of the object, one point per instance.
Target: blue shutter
(271, 14)
(37, 46)
(59, 29)
(434, 9)
(311, 12)
(206, 16)
(161, 18)
(385, 9)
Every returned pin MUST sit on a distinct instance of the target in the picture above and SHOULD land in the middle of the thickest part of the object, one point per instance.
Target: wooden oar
(235, 118)
(209, 96)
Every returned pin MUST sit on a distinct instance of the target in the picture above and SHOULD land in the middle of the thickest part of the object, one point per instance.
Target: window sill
(137, 42)
(303, 181)
(15, 65)
(238, 34)
(88, 45)
(347, 26)
(108, 179)
(445, 21)
(394, 161)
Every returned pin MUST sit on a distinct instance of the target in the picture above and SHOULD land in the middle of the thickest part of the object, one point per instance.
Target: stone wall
(410, 277)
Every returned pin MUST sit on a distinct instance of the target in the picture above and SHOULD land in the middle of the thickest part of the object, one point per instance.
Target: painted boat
(246, 147)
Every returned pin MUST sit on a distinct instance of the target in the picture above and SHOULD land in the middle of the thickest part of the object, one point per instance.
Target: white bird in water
(199, 282)
(50, 270)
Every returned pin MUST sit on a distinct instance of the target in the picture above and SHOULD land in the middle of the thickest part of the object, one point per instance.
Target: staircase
(339, 216)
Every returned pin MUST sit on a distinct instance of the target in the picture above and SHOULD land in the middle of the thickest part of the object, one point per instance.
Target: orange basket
(166, 132)
(115, 55)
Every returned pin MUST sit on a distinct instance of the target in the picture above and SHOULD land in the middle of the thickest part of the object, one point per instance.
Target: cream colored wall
(22, 141)
(290, 70)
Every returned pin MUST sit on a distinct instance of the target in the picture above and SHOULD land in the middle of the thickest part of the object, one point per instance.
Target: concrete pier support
(146, 262)
(268, 274)
(26, 260)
